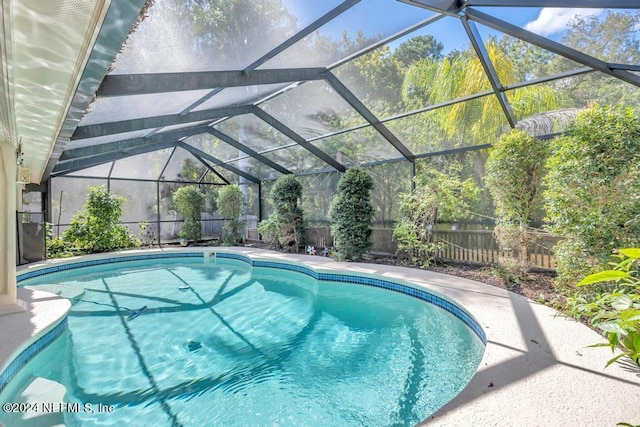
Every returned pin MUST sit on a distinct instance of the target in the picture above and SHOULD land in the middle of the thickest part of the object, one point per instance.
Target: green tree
(429, 82)
(191, 171)
(351, 213)
(238, 31)
(592, 186)
(417, 48)
(230, 208)
(97, 227)
(190, 202)
(529, 61)
(614, 39)
(514, 176)
(318, 191)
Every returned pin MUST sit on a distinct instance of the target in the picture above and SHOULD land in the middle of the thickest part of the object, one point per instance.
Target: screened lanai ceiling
(259, 89)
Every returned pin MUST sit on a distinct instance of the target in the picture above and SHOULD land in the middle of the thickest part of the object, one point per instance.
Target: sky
(553, 21)
(548, 22)
(374, 14)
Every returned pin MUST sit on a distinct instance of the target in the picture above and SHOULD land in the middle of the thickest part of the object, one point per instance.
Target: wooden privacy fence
(477, 246)
(480, 246)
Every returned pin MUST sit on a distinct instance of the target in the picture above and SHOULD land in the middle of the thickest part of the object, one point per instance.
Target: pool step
(41, 391)
(71, 292)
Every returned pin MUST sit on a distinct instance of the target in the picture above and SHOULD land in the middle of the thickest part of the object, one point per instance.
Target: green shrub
(351, 212)
(230, 207)
(268, 230)
(514, 175)
(592, 186)
(55, 246)
(437, 195)
(288, 216)
(147, 236)
(190, 202)
(610, 301)
(211, 201)
(97, 228)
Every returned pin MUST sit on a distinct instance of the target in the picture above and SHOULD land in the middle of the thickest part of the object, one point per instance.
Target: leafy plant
(351, 213)
(230, 207)
(56, 247)
(437, 195)
(592, 183)
(288, 217)
(97, 227)
(147, 236)
(614, 307)
(190, 202)
(268, 230)
(514, 175)
(506, 274)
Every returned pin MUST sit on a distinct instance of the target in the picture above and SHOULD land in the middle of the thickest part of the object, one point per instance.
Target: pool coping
(24, 333)
(536, 370)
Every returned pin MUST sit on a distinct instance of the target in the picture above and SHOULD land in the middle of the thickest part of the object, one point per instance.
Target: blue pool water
(224, 343)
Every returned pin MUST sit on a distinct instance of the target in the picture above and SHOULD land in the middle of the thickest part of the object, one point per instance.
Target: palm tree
(430, 82)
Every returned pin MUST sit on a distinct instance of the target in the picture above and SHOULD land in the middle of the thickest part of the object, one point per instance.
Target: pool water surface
(184, 342)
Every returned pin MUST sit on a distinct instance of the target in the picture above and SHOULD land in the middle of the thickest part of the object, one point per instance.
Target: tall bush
(514, 177)
(592, 187)
(351, 213)
(437, 195)
(286, 222)
(97, 227)
(230, 208)
(190, 202)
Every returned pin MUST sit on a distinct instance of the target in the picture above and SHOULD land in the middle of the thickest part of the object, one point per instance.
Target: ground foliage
(610, 301)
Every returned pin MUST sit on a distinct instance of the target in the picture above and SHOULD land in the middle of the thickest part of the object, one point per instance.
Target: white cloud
(554, 20)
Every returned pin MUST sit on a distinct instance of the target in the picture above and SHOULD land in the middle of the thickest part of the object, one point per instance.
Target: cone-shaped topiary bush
(190, 202)
(351, 213)
(285, 195)
(230, 208)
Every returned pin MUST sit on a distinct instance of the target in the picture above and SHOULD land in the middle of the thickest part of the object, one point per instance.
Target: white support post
(8, 194)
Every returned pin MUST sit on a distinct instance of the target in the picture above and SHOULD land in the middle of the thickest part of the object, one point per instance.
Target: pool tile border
(100, 261)
(30, 352)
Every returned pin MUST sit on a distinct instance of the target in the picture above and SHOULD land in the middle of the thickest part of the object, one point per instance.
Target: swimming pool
(235, 341)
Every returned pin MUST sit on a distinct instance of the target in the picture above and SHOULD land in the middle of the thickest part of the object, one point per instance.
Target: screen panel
(327, 112)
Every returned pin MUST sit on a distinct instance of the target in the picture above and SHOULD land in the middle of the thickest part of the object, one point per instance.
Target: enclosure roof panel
(258, 89)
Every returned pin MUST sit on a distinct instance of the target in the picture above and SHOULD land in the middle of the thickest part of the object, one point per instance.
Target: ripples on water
(239, 347)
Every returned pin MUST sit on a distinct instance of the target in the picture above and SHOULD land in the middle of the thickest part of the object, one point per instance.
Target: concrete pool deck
(536, 370)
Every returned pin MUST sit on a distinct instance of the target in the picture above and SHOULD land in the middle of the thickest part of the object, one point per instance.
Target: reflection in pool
(184, 342)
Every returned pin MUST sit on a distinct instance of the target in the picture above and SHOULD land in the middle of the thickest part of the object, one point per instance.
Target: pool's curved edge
(316, 273)
(376, 281)
(29, 347)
